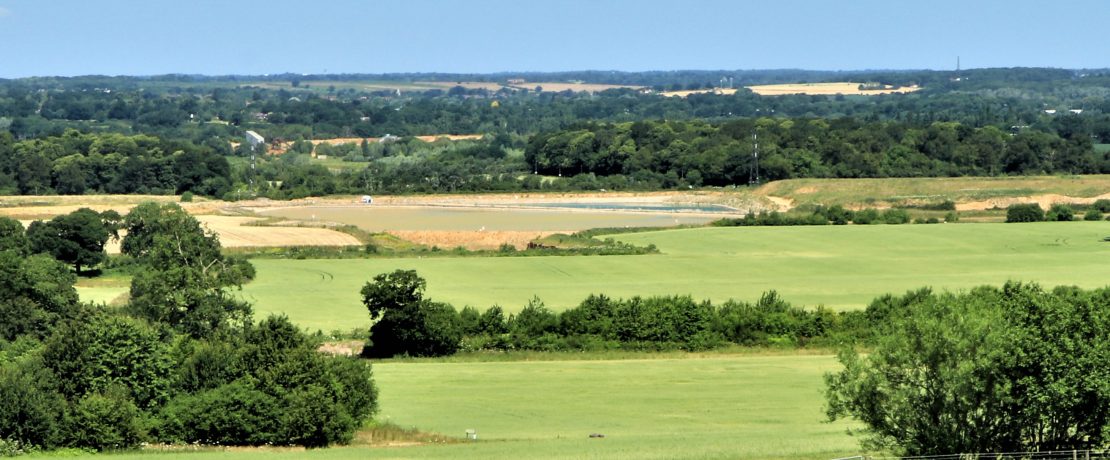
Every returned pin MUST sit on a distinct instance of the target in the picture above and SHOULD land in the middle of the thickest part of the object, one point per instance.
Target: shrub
(1092, 214)
(895, 216)
(105, 421)
(1102, 205)
(30, 407)
(952, 216)
(866, 216)
(1031, 212)
(187, 197)
(235, 413)
(1060, 213)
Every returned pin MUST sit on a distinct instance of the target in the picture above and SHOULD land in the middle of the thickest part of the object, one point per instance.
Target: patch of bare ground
(234, 231)
(342, 348)
(448, 239)
(386, 434)
(1045, 201)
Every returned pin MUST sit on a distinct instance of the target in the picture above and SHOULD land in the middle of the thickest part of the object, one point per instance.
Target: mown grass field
(734, 407)
(837, 266)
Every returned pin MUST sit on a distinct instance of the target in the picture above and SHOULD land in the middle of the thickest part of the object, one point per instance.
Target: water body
(652, 207)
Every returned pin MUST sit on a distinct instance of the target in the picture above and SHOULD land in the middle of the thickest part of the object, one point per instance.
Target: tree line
(182, 361)
(406, 323)
(76, 163)
(700, 153)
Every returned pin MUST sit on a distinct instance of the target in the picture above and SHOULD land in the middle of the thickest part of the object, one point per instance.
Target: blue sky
(218, 37)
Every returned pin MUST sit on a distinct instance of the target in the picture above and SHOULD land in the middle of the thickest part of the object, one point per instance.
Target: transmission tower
(753, 173)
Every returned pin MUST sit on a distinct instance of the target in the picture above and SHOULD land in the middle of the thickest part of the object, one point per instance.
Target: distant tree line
(76, 163)
(181, 362)
(699, 153)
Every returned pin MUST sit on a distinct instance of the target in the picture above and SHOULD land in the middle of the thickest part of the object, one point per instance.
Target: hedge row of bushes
(409, 324)
(833, 215)
(1032, 212)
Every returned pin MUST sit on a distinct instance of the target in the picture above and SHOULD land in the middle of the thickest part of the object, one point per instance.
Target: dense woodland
(182, 362)
(168, 134)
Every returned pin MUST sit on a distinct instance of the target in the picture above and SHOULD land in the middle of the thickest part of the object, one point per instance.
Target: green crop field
(723, 406)
(837, 266)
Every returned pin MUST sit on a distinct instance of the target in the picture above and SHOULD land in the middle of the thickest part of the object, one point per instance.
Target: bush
(30, 407)
(187, 197)
(105, 421)
(895, 216)
(1031, 212)
(1060, 213)
(952, 216)
(232, 414)
(1102, 205)
(1092, 214)
(866, 216)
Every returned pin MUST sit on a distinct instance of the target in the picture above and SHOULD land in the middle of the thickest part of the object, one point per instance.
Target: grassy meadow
(838, 266)
(726, 406)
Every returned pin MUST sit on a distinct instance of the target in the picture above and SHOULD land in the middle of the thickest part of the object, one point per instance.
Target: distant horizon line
(522, 72)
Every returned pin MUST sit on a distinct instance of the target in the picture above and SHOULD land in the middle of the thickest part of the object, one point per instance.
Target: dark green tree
(12, 237)
(36, 293)
(405, 323)
(77, 238)
(1011, 370)
(104, 351)
(187, 277)
(1031, 212)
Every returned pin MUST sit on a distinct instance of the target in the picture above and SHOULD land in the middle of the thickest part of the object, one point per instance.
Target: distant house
(254, 139)
(1076, 111)
(388, 139)
(366, 199)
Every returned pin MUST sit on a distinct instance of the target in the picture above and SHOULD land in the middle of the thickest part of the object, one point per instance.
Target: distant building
(388, 139)
(254, 139)
(1076, 111)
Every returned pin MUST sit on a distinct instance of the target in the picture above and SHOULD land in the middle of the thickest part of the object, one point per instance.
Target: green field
(837, 266)
(758, 407)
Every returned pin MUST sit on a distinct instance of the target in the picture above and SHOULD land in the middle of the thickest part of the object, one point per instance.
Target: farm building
(254, 139)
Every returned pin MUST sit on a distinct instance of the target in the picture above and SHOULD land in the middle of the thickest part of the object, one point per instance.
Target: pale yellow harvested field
(549, 86)
(826, 89)
(720, 91)
(233, 230)
(486, 85)
(235, 233)
(447, 239)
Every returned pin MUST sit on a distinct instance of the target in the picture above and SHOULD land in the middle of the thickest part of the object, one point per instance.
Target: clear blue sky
(218, 37)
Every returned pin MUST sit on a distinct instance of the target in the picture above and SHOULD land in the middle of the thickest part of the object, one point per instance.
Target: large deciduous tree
(186, 281)
(1016, 369)
(405, 322)
(77, 238)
